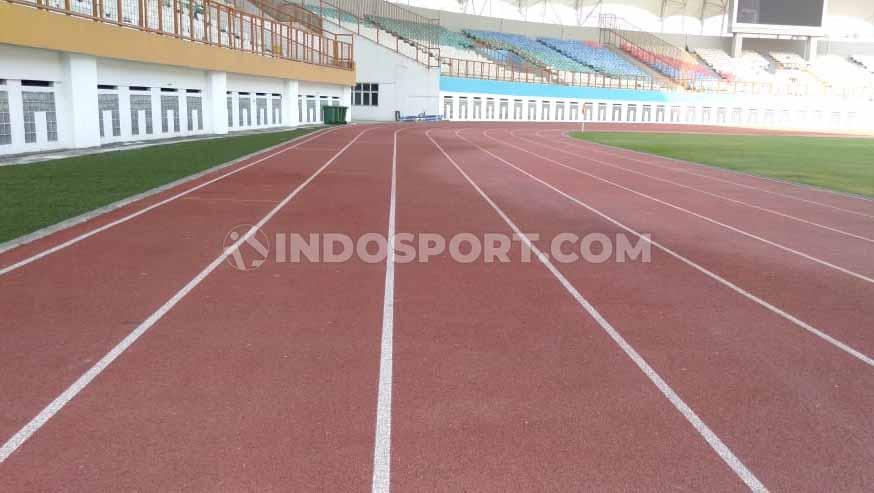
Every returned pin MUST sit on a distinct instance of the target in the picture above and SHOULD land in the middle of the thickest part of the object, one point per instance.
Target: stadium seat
(597, 58)
(531, 49)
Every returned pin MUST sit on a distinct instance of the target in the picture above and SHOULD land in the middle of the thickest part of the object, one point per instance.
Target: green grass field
(34, 196)
(841, 164)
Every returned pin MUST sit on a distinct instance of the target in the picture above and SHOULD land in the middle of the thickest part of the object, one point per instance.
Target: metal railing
(212, 23)
(379, 21)
(474, 69)
(649, 48)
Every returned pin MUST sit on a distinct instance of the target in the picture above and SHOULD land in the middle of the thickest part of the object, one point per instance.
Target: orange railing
(212, 23)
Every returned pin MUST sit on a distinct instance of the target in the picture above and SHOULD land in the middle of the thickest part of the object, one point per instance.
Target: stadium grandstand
(220, 67)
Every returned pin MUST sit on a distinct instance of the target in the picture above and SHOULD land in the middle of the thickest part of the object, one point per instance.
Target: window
(277, 109)
(169, 108)
(109, 103)
(39, 103)
(5, 126)
(140, 104)
(194, 106)
(261, 110)
(245, 106)
(364, 94)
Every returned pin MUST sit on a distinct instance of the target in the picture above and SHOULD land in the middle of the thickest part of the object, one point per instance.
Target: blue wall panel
(523, 89)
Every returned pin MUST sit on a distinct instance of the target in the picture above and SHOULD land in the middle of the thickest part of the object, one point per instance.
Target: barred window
(277, 111)
(169, 103)
(39, 102)
(245, 116)
(364, 94)
(261, 109)
(108, 102)
(194, 104)
(5, 124)
(230, 112)
(140, 102)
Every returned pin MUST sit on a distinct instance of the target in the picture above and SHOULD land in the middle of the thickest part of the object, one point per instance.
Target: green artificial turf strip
(842, 164)
(34, 196)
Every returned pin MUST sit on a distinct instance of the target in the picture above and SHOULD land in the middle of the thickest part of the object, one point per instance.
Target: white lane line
(382, 442)
(73, 390)
(695, 214)
(656, 178)
(89, 234)
(716, 277)
(709, 436)
(603, 148)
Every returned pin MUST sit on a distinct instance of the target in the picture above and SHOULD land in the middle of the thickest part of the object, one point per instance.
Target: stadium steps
(653, 74)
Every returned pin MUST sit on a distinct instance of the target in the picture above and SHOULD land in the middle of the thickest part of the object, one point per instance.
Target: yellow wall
(26, 26)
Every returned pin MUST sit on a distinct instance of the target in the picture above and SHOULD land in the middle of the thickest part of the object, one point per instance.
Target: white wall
(404, 85)
(827, 114)
(72, 82)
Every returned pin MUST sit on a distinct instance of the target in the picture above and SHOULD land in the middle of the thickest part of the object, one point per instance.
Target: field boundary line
(66, 224)
(13, 443)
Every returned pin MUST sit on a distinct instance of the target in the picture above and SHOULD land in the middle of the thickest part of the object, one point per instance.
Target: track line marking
(695, 214)
(729, 199)
(382, 442)
(93, 232)
(716, 277)
(700, 426)
(73, 390)
(721, 180)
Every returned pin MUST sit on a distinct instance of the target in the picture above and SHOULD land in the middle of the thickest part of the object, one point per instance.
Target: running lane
(502, 382)
(261, 380)
(834, 301)
(64, 311)
(794, 408)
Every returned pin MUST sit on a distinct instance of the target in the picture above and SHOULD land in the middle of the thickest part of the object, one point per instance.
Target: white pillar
(78, 101)
(810, 50)
(124, 113)
(347, 102)
(289, 103)
(16, 114)
(737, 44)
(216, 103)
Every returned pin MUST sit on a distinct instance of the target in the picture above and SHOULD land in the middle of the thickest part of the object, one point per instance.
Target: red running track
(739, 357)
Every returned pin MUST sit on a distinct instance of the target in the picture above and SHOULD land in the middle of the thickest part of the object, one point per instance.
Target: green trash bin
(335, 115)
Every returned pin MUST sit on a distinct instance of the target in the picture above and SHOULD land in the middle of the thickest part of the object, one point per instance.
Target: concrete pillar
(810, 50)
(124, 113)
(16, 114)
(290, 93)
(737, 45)
(216, 103)
(347, 101)
(78, 97)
